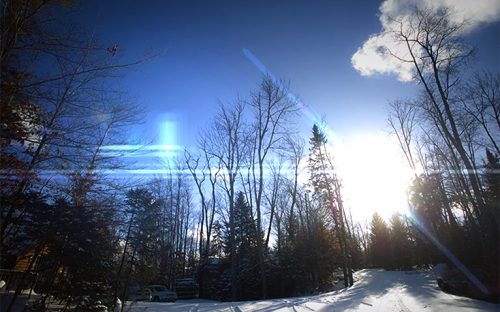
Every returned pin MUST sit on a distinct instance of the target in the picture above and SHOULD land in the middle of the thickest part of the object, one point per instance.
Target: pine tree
(400, 248)
(245, 241)
(379, 242)
(245, 255)
(245, 232)
(143, 233)
(319, 164)
(326, 186)
(66, 245)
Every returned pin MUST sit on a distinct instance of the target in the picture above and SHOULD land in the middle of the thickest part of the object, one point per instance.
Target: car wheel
(157, 299)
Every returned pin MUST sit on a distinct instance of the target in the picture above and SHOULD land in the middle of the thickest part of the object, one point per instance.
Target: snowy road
(374, 290)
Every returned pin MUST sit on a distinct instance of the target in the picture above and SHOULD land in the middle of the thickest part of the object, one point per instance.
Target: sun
(374, 177)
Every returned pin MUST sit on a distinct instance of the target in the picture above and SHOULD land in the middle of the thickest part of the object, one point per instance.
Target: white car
(161, 293)
(140, 295)
(119, 286)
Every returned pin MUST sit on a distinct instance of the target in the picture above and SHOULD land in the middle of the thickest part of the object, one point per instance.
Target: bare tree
(435, 47)
(296, 146)
(201, 169)
(273, 189)
(67, 78)
(480, 99)
(227, 142)
(174, 191)
(272, 108)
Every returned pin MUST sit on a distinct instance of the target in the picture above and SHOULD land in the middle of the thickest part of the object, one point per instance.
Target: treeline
(235, 211)
(449, 134)
(71, 222)
(273, 235)
(64, 210)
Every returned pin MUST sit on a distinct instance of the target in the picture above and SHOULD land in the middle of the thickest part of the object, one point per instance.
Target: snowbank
(374, 290)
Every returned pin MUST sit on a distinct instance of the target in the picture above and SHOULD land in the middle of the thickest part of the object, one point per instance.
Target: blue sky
(311, 43)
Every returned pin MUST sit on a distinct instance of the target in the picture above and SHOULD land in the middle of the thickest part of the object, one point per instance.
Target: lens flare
(311, 116)
(422, 225)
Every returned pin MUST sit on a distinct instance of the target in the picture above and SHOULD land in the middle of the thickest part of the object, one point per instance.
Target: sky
(324, 48)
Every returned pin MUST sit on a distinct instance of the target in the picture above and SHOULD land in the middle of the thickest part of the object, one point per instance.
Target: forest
(235, 212)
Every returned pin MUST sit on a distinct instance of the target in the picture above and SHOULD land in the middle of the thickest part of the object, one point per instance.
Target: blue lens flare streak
(308, 112)
(415, 218)
(421, 223)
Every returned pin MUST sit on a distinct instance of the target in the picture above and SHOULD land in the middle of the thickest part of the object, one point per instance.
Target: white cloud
(478, 11)
(370, 59)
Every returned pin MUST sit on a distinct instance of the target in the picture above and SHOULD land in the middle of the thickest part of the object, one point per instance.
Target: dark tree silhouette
(380, 246)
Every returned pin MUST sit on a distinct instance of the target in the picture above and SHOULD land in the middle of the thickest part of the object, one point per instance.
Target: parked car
(140, 295)
(161, 293)
(122, 292)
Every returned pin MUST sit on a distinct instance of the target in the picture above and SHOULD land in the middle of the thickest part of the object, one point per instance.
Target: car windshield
(160, 288)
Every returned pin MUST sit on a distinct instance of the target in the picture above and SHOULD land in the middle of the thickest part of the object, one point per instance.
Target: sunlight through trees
(231, 218)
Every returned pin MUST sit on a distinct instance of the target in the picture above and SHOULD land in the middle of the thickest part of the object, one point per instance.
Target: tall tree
(65, 108)
(246, 238)
(379, 239)
(327, 190)
(272, 108)
(202, 167)
(434, 45)
(296, 148)
(227, 141)
(480, 97)
(51, 233)
(491, 184)
(144, 211)
(400, 243)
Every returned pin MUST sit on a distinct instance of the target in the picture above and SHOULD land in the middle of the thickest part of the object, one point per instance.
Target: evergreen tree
(66, 245)
(326, 186)
(319, 165)
(249, 278)
(246, 249)
(380, 242)
(144, 232)
(244, 225)
(400, 247)
(245, 256)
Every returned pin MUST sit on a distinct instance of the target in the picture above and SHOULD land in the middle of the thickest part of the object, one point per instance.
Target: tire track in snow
(310, 309)
(302, 305)
(296, 306)
(235, 309)
(290, 306)
(400, 304)
(394, 300)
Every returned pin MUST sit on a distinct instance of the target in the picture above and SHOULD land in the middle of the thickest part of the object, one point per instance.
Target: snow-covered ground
(374, 290)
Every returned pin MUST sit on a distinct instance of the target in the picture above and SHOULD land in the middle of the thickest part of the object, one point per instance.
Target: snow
(374, 290)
